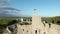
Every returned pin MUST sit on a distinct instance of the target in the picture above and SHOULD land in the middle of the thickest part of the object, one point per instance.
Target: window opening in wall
(27, 30)
(35, 31)
(23, 29)
(44, 33)
(49, 25)
(39, 31)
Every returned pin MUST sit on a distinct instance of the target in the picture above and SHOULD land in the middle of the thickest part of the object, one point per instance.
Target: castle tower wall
(37, 25)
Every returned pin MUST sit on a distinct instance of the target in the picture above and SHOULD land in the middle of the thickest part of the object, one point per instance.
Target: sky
(46, 8)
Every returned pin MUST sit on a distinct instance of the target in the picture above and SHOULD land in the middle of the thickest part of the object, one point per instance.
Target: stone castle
(38, 27)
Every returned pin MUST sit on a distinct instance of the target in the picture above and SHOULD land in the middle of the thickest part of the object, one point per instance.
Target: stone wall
(53, 29)
(24, 29)
(38, 27)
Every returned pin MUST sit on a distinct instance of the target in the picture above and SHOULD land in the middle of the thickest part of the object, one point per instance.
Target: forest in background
(54, 20)
(6, 20)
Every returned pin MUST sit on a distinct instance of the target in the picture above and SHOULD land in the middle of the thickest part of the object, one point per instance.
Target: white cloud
(1, 12)
(4, 0)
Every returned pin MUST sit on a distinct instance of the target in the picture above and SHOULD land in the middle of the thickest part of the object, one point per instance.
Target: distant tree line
(4, 22)
(54, 20)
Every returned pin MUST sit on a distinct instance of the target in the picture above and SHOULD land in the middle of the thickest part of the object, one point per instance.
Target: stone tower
(37, 26)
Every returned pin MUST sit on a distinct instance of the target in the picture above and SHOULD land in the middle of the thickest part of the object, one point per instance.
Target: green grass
(4, 21)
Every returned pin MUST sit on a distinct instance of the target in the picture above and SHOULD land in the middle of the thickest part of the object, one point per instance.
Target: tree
(58, 22)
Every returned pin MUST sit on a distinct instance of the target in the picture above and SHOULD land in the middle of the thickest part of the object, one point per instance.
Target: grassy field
(4, 21)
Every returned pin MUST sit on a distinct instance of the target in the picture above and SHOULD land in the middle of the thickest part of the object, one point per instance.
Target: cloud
(8, 0)
(4, 0)
(8, 8)
(1, 12)
(8, 11)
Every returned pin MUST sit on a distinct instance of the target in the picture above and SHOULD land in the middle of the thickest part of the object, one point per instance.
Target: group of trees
(55, 20)
(5, 22)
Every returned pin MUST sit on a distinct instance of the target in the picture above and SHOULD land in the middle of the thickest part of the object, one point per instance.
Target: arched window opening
(39, 31)
(27, 30)
(44, 33)
(23, 29)
(35, 31)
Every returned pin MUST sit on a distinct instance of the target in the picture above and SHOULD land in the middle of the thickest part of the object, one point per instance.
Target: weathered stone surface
(37, 27)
